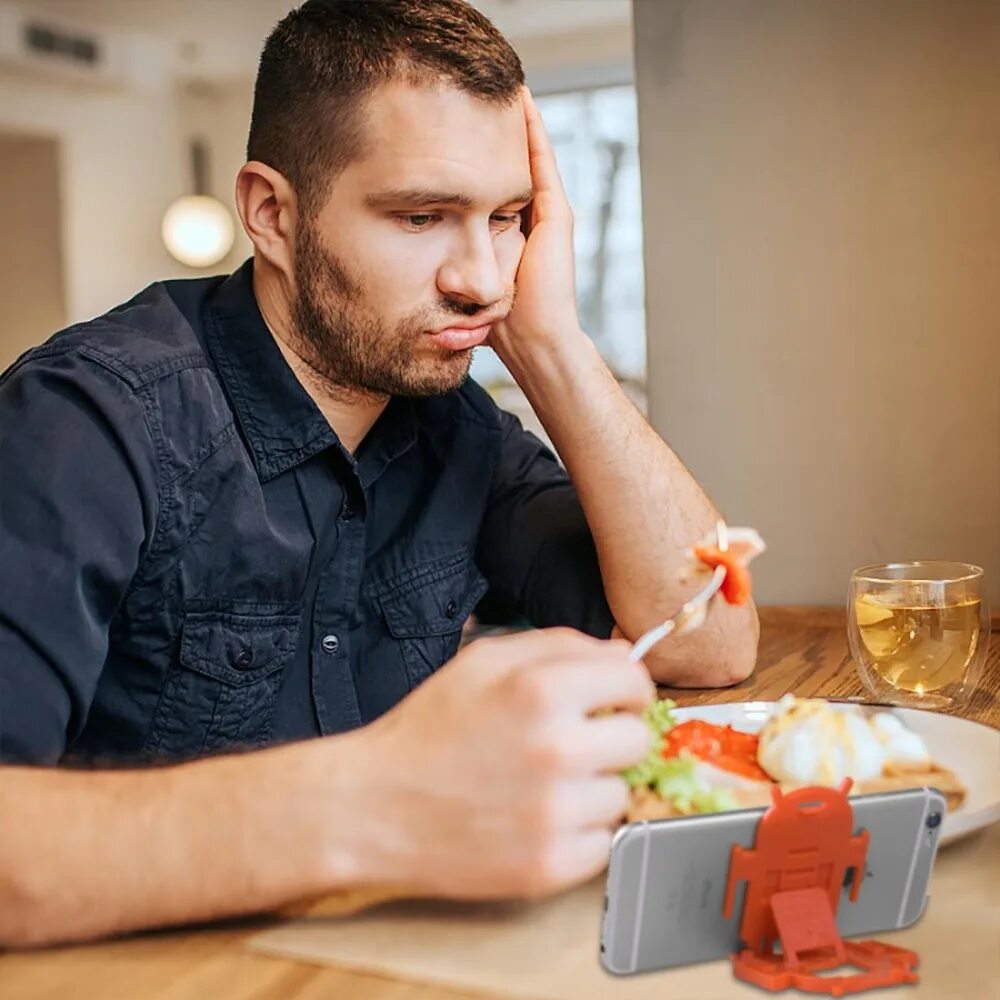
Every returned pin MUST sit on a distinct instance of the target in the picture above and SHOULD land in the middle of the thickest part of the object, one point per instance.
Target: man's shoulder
(149, 337)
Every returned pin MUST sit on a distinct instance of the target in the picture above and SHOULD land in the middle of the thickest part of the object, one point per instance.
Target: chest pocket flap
(433, 599)
(237, 649)
(221, 692)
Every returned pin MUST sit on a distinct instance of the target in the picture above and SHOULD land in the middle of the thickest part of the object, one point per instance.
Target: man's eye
(417, 222)
(505, 220)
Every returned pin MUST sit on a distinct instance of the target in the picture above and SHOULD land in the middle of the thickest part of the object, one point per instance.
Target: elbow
(740, 649)
(737, 668)
(697, 672)
(709, 658)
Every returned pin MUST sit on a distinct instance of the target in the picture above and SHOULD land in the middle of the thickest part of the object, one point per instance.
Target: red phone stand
(794, 875)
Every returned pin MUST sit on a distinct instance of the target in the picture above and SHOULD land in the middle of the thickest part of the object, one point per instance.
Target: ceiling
(219, 40)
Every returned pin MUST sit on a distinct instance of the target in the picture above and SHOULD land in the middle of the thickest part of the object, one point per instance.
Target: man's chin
(435, 378)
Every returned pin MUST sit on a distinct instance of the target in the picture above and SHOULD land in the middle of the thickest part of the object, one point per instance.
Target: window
(595, 136)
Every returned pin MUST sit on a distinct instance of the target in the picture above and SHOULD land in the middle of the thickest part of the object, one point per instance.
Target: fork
(692, 614)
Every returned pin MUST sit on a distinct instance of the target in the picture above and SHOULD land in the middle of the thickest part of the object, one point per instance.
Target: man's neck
(350, 412)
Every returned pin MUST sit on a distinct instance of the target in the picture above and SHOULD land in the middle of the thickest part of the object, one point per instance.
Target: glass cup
(919, 631)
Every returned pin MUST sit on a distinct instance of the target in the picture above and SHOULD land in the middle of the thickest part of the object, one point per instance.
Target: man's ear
(268, 209)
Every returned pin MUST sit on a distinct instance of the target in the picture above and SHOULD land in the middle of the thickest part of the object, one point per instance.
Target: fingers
(565, 672)
(544, 174)
(568, 755)
(550, 195)
(614, 742)
(579, 857)
(586, 747)
(590, 853)
(575, 804)
(552, 645)
(586, 685)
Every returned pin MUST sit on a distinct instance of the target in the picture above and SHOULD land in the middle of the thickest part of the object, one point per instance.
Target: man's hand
(494, 778)
(545, 303)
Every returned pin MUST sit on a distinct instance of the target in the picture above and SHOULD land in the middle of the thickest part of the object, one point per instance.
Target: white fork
(692, 613)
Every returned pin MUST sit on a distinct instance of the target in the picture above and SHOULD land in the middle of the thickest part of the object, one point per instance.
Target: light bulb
(197, 230)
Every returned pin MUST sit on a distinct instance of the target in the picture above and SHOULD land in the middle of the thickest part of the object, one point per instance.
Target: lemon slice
(869, 611)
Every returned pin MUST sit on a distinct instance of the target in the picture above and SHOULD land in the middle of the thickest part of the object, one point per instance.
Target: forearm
(86, 854)
(643, 508)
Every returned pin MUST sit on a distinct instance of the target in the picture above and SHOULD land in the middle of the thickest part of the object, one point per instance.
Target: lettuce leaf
(659, 716)
(673, 778)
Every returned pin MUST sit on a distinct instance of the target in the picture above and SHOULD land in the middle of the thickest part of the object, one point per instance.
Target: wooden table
(802, 650)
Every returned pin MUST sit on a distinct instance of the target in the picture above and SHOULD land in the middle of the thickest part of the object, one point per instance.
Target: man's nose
(472, 275)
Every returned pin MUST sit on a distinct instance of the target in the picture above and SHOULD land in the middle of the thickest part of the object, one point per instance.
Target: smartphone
(667, 880)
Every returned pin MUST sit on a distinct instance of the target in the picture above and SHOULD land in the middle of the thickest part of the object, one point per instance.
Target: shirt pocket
(221, 692)
(424, 608)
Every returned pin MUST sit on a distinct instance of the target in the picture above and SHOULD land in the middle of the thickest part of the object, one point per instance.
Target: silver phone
(667, 879)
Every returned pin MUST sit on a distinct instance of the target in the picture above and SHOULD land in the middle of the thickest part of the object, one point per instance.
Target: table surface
(803, 650)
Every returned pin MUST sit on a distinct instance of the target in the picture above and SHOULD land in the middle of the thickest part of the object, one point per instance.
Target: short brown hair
(325, 57)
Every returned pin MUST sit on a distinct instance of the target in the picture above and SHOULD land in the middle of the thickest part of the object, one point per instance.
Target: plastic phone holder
(794, 873)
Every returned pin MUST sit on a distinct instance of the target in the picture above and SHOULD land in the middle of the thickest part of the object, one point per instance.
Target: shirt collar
(280, 422)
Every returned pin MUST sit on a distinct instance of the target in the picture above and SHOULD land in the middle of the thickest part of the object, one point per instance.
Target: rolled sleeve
(535, 547)
(77, 504)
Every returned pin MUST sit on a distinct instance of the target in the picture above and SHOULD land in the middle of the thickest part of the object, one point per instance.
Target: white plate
(970, 749)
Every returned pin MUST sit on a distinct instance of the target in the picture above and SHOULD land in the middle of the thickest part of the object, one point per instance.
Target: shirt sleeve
(77, 503)
(535, 547)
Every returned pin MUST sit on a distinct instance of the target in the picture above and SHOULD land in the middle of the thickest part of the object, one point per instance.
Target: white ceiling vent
(38, 45)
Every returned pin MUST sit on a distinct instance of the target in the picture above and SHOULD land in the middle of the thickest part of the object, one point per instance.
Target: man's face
(420, 235)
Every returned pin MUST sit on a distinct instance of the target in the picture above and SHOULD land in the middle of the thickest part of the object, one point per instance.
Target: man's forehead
(443, 140)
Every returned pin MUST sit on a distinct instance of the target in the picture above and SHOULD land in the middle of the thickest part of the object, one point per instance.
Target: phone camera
(934, 820)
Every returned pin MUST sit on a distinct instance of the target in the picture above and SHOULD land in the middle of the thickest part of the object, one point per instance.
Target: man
(239, 513)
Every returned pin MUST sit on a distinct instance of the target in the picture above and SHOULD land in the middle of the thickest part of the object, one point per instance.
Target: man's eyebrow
(421, 197)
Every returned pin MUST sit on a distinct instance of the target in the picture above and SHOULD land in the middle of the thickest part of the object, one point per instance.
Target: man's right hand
(495, 777)
(492, 779)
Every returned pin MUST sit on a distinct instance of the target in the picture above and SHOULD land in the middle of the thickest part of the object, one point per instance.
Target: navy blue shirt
(191, 562)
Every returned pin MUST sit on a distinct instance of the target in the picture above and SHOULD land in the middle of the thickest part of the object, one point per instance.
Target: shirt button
(451, 610)
(330, 644)
(244, 658)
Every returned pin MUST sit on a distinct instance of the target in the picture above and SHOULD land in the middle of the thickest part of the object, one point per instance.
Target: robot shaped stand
(794, 874)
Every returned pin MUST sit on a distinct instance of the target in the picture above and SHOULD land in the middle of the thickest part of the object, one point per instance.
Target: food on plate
(697, 766)
(809, 742)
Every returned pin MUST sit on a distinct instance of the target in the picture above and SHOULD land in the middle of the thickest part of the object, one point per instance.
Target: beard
(351, 349)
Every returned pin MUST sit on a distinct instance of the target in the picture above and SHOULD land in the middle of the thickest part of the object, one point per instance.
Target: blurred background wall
(119, 163)
(32, 287)
(821, 191)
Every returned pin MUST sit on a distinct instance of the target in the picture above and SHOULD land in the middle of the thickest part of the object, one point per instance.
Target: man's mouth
(460, 338)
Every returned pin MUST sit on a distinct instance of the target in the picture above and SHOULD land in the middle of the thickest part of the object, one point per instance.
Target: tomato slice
(721, 746)
(736, 586)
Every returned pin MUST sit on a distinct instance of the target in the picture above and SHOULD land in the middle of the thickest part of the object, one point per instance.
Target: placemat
(548, 950)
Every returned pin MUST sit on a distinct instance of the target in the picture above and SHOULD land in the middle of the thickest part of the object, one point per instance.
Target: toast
(644, 803)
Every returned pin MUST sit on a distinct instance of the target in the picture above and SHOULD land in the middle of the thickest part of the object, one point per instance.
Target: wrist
(550, 362)
(368, 816)
(332, 802)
